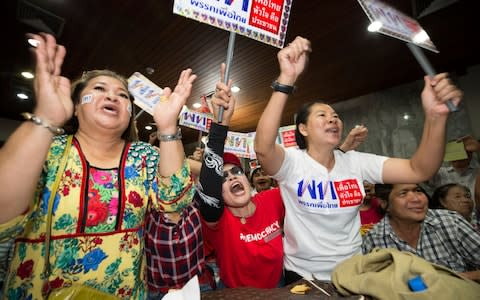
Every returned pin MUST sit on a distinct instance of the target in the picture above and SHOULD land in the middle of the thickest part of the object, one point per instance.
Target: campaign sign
(146, 93)
(287, 136)
(196, 120)
(263, 20)
(237, 143)
(396, 24)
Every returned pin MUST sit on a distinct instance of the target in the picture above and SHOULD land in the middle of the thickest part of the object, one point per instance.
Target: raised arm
(292, 60)
(429, 155)
(211, 175)
(172, 154)
(24, 153)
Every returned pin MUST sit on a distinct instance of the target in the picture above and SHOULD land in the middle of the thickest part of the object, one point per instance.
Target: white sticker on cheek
(129, 108)
(87, 99)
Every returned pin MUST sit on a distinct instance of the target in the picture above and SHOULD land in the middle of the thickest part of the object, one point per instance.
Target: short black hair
(383, 191)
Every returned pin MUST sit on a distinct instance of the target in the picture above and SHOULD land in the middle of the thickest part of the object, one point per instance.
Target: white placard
(146, 93)
(263, 20)
(396, 24)
(196, 120)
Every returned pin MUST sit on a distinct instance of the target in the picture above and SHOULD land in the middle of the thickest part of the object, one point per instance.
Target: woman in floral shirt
(107, 185)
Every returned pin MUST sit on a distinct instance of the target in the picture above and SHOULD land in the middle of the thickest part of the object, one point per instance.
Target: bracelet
(170, 137)
(37, 121)
(283, 88)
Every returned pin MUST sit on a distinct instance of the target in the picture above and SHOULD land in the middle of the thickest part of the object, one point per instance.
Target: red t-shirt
(251, 254)
(370, 217)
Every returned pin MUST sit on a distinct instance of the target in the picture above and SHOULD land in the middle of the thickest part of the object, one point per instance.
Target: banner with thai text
(194, 119)
(262, 20)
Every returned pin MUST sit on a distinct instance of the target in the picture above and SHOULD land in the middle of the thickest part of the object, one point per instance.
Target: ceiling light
(406, 116)
(148, 127)
(27, 75)
(196, 105)
(374, 26)
(235, 89)
(33, 42)
(22, 96)
(149, 70)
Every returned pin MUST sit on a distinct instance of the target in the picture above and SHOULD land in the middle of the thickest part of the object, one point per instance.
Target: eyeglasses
(235, 171)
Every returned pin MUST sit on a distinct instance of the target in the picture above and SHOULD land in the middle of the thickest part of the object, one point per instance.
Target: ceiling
(131, 35)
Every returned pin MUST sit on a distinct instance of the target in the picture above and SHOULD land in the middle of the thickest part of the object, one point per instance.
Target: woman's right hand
(223, 98)
(52, 91)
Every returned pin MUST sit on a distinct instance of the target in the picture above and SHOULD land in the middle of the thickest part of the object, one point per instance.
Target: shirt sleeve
(209, 189)
(173, 193)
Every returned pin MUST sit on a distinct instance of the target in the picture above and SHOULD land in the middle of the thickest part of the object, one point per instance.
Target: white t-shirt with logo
(322, 220)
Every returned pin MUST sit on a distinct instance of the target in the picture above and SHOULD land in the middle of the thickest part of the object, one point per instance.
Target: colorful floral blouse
(97, 225)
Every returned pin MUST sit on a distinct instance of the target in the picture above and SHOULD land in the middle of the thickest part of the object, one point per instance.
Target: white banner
(146, 93)
(196, 120)
(396, 24)
(262, 20)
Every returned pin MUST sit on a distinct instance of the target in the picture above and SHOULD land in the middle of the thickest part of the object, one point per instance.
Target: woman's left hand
(169, 107)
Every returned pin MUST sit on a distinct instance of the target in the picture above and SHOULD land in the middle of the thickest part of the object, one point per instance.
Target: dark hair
(130, 134)
(382, 191)
(302, 116)
(441, 192)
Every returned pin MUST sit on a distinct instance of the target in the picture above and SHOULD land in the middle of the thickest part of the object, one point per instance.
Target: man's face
(407, 203)
(462, 165)
(261, 181)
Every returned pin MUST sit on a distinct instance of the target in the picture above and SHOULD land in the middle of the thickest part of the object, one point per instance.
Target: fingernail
(33, 42)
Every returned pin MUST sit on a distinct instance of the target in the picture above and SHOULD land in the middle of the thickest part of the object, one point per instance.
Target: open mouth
(111, 109)
(237, 188)
(262, 181)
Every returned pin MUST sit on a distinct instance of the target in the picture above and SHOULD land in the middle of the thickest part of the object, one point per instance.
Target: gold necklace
(243, 219)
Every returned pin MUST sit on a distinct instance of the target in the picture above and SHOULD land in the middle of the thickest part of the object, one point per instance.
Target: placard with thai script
(146, 93)
(196, 120)
(287, 136)
(263, 20)
(237, 143)
(396, 24)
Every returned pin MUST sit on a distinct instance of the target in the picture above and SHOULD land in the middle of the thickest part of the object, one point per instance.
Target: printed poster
(262, 20)
(146, 93)
(395, 23)
(287, 136)
(237, 143)
(196, 120)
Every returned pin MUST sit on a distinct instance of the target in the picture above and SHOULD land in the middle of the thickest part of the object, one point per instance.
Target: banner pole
(231, 46)
(428, 69)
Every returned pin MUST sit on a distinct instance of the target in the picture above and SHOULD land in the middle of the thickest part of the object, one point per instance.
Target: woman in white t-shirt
(322, 188)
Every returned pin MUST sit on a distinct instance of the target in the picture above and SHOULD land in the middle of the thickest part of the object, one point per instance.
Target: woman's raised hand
(223, 98)
(52, 91)
(436, 92)
(169, 107)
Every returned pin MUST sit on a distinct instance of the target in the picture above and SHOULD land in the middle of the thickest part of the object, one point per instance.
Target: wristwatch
(283, 88)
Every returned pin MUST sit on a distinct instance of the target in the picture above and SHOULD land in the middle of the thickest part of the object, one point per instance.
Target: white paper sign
(146, 93)
(237, 143)
(263, 20)
(196, 120)
(396, 24)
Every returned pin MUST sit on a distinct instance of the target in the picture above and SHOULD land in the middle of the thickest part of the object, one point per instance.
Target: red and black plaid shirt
(174, 251)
